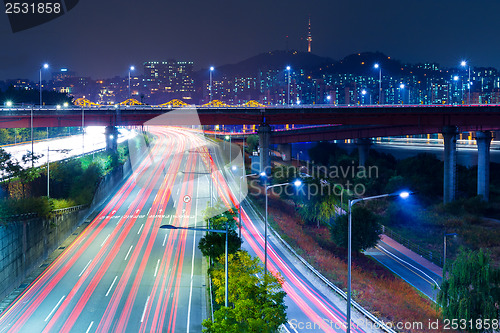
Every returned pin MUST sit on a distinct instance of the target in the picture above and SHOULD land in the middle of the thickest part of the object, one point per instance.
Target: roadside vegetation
(73, 182)
(317, 231)
(255, 302)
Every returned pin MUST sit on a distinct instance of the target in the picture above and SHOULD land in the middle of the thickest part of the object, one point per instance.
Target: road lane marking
(142, 225)
(192, 261)
(291, 326)
(156, 269)
(126, 257)
(85, 268)
(407, 263)
(105, 239)
(145, 307)
(164, 239)
(111, 286)
(55, 308)
(90, 326)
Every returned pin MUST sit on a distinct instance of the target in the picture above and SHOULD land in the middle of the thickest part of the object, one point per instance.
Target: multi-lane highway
(124, 274)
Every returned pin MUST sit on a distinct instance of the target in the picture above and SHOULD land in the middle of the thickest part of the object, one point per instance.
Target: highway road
(124, 274)
(417, 275)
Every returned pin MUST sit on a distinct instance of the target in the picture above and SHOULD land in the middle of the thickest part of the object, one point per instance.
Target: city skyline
(103, 39)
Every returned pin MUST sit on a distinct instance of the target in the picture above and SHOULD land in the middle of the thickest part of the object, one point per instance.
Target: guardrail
(339, 291)
(63, 211)
(432, 256)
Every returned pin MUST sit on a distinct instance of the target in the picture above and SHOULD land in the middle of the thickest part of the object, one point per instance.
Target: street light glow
(463, 63)
(287, 68)
(376, 65)
(212, 68)
(455, 78)
(363, 92)
(45, 66)
(263, 174)
(404, 194)
(9, 104)
(297, 183)
(132, 68)
(402, 86)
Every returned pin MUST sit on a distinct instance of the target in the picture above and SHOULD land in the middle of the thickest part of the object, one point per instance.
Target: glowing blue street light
(403, 195)
(210, 88)
(377, 66)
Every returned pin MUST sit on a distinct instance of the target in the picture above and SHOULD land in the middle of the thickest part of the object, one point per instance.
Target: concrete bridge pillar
(363, 149)
(483, 140)
(264, 132)
(450, 162)
(285, 150)
(111, 134)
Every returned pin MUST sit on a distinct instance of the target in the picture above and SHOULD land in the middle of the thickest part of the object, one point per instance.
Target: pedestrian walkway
(412, 255)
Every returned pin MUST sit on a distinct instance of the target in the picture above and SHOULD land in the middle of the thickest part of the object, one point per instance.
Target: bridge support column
(264, 132)
(111, 134)
(285, 150)
(483, 140)
(450, 162)
(363, 149)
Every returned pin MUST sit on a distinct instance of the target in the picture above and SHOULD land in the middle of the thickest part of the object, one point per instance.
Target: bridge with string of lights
(404, 118)
(330, 122)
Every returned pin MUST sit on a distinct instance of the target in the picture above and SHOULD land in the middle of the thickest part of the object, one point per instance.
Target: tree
(29, 173)
(214, 244)
(471, 292)
(256, 305)
(252, 142)
(365, 229)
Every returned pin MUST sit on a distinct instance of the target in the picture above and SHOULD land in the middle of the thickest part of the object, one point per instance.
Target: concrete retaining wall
(24, 245)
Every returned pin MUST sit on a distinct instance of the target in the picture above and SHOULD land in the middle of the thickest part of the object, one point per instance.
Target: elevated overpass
(390, 115)
(361, 122)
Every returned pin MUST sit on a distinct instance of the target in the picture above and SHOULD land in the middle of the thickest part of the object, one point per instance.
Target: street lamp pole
(132, 68)
(379, 83)
(226, 289)
(289, 82)
(352, 202)
(444, 252)
(45, 66)
(210, 90)
(240, 199)
(297, 183)
(32, 144)
(464, 64)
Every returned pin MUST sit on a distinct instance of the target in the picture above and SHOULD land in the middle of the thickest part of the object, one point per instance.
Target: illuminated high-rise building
(173, 77)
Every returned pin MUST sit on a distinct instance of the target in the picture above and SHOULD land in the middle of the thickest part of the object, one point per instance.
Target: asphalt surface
(125, 274)
(413, 272)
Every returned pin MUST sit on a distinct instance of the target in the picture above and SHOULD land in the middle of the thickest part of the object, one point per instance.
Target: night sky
(102, 38)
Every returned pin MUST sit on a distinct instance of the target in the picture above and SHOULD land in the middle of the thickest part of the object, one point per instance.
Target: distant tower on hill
(309, 37)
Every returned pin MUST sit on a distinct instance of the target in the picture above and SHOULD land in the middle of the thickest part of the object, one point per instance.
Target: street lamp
(296, 183)
(45, 66)
(169, 226)
(377, 66)
(328, 98)
(210, 91)
(289, 82)
(132, 68)
(402, 87)
(240, 199)
(228, 137)
(464, 64)
(403, 195)
(444, 251)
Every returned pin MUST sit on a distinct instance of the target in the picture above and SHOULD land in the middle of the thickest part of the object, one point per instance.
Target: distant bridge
(416, 117)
